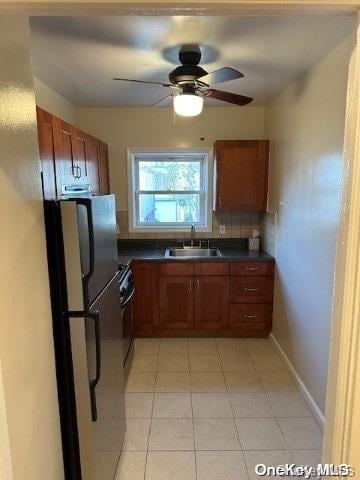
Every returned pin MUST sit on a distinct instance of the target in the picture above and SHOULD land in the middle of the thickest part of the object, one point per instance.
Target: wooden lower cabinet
(145, 303)
(251, 317)
(254, 289)
(211, 302)
(201, 299)
(176, 302)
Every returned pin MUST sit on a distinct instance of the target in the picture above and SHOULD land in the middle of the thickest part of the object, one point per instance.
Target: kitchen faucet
(192, 235)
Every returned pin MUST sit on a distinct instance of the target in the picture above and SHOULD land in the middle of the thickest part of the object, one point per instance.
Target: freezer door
(90, 246)
(98, 243)
(100, 406)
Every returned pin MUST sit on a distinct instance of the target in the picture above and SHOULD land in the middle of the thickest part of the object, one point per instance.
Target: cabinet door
(64, 154)
(46, 150)
(80, 149)
(176, 302)
(241, 173)
(211, 302)
(103, 166)
(145, 303)
(92, 163)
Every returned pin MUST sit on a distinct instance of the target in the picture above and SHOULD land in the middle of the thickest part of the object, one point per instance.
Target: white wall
(305, 124)
(159, 127)
(26, 343)
(53, 102)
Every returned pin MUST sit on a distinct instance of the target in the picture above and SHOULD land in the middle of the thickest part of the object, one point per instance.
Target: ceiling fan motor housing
(186, 73)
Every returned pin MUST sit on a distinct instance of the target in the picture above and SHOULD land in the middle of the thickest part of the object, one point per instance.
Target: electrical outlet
(222, 230)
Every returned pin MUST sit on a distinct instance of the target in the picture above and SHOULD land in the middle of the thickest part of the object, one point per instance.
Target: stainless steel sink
(191, 252)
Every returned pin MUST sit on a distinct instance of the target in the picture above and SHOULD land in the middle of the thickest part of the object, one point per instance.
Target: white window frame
(133, 193)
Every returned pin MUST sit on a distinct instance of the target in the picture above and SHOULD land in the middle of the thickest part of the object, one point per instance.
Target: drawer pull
(252, 269)
(250, 316)
(250, 289)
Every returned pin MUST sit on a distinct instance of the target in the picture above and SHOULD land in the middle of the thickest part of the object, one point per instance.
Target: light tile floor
(211, 409)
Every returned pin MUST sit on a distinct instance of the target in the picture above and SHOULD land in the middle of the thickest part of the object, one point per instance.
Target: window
(169, 190)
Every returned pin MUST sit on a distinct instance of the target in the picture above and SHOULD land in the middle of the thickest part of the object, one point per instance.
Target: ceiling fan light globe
(188, 104)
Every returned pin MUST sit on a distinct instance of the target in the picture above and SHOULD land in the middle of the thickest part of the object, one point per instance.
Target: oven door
(128, 329)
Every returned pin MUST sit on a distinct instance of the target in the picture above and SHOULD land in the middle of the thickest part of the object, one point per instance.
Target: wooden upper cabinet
(81, 160)
(70, 157)
(92, 163)
(241, 175)
(103, 165)
(46, 150)
(65, 155)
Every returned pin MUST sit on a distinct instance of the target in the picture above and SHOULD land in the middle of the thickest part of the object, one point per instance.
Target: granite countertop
(154, 250)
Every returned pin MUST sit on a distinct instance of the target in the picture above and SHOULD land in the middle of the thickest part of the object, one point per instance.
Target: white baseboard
(319, 416)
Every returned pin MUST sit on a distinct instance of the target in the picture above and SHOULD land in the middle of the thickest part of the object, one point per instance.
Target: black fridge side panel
(64, 369)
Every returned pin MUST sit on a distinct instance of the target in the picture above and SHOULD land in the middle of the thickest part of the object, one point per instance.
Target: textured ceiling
(79, 56)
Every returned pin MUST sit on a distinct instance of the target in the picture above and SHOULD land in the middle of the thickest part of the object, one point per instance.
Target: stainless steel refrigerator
(84, 281)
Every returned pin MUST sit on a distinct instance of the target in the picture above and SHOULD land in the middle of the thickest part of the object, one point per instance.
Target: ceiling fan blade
(143, 81)
(228, 97)
(163, 102)
(224, 74)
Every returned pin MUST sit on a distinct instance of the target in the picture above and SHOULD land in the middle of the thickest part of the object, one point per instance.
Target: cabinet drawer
(251, 316)
(252, 268)
(176, 268)
(247, 289)
(211, 268)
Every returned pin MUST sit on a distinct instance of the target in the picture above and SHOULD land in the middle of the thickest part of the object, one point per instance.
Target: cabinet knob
(250, 289)
(251, 269)
(249, 316)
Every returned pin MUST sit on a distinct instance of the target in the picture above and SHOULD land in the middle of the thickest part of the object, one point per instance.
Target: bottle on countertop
(254, 240)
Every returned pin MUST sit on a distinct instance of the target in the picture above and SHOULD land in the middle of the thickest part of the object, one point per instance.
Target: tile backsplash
(236, 225)
(269, 233)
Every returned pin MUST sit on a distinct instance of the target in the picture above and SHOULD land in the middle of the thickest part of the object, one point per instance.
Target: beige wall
(26, 344)
(305, 124)
(53, 102)
(122, 128)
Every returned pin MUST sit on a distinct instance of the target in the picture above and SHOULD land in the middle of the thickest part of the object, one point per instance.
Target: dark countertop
(154, 250)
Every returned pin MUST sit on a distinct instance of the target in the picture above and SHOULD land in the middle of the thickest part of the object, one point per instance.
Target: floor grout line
(152, 412)
(227, 393)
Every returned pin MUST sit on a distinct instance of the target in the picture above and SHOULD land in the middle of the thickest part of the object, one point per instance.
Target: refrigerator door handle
(87, 205)
(96, 318)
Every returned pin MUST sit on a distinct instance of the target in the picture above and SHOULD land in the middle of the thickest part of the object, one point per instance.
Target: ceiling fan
(191, 84)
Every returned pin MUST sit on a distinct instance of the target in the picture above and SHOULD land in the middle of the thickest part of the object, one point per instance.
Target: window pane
(169, 208)
(165, 175)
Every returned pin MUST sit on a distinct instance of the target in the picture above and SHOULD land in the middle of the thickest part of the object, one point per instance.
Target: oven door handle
(128, 300)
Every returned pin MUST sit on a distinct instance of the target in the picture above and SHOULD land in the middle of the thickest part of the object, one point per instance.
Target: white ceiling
(79, 56)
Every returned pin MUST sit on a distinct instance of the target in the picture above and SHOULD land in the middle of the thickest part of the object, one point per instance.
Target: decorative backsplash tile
(237, 225)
